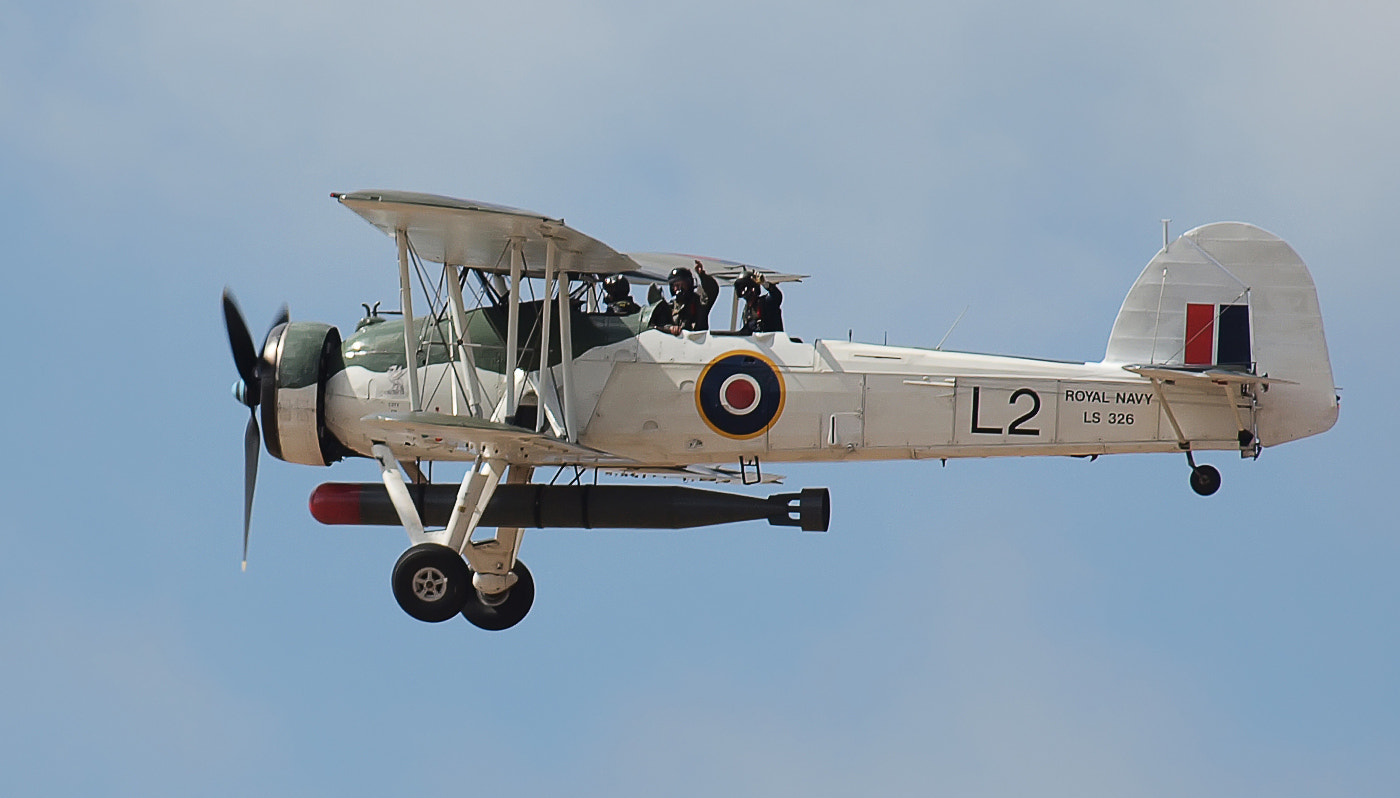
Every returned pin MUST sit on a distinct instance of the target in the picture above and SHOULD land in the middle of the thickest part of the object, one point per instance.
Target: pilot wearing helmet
(617, 296)
(689, 308)
(762, 312)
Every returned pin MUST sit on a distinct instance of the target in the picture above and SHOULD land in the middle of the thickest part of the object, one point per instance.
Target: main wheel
(431, 582)
(495, 613)
(1205, 480)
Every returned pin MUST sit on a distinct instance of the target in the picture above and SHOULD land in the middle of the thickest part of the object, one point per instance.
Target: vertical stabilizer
(1231, 295)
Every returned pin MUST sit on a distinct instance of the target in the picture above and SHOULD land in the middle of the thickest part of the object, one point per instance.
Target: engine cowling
(301, 356)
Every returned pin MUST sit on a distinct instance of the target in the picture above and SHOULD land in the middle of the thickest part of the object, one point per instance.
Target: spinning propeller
(252, 368)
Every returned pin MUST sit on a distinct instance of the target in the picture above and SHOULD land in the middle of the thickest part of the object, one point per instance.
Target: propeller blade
(245, 357)
(251, 437)
(283, 316)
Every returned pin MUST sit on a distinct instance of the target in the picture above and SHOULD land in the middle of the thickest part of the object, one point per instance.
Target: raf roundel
(740, 395)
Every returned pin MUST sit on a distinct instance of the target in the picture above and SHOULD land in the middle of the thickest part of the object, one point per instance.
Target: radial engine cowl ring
(301, 356)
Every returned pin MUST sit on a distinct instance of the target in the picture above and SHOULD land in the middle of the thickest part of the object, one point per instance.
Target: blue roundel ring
(740, 395)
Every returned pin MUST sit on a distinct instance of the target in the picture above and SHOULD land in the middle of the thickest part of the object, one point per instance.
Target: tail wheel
(1205, 480)
(431, 582)
(502, 611)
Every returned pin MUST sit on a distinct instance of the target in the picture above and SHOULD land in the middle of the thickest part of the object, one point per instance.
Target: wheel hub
(429, 584)
(493, 599)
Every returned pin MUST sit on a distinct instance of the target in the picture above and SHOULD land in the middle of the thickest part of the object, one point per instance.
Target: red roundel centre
(739, 394)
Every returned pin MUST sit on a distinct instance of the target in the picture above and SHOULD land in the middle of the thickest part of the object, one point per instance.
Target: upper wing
(478, 234)
(655, 266)
(418, 434)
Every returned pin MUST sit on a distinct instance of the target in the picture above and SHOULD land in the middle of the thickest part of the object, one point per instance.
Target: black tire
(1205, 480)
(431, 582)
(507, 613)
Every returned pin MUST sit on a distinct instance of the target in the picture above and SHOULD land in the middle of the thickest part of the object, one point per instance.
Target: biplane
(507, 364)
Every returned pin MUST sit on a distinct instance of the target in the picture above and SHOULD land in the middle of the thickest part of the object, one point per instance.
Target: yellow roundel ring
(740, 395)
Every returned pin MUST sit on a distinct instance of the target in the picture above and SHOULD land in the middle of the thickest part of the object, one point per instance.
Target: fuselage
(711, 398)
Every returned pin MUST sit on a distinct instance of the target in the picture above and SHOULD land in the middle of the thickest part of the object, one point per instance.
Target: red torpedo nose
(336, 503)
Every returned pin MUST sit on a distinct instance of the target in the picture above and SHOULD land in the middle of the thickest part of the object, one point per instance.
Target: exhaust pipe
(577, 506)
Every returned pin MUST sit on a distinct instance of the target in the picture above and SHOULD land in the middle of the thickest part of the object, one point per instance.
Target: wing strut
(465, 359)
(517, 267)
(566, 359)
(550, 260)
(406, 297)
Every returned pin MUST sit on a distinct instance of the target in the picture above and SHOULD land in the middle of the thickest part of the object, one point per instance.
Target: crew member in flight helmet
(617, 296)
(762, 312)
(690, 309)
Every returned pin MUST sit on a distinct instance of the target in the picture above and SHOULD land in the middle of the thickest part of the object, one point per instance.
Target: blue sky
(988, 628)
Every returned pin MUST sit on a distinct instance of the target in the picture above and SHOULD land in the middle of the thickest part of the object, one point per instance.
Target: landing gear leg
(1205, 479)
(501, 610)
(502, 589)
